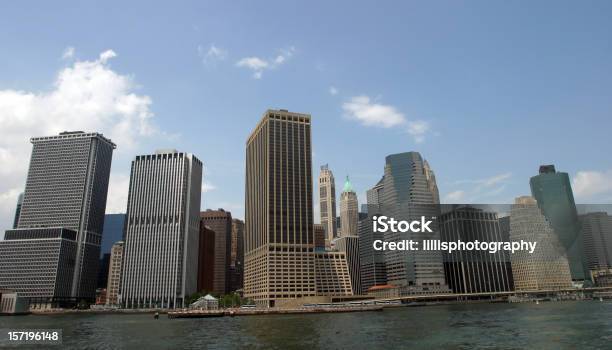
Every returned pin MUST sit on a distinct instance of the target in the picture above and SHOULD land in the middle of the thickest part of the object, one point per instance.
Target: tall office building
(279, 237)
(66, 187)
(410, 192)
(545, 268)
(553, 192)
(220, 221)
(327, 200)
(474, 271)
(349, 245)
(237, 255)
(206, 258)
(18, 210)
(373, 268)
(349, 210)
(597, 235)
(114, 273)
(162, 230)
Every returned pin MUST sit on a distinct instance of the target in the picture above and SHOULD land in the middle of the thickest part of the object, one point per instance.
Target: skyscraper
(279, 237)
(410, 192)
(327, 198)
(220, 221)
(373, 271)
(349, 210)
(162, 230)
(206, 258)
(474, 271)
(66, 187)
(114, 273)
(597, 235)
(553, 192)
(545, 268)
(237, 255)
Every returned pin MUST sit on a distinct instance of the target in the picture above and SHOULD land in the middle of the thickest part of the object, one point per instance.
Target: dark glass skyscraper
(553, 192)
(410, 192)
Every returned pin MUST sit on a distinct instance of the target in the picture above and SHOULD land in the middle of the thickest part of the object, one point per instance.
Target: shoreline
(231, 312)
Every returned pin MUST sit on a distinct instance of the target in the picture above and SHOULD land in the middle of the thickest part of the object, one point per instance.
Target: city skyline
(522, 81)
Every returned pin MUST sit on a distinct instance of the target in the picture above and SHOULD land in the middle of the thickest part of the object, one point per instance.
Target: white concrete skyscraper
(162, 230)
(327, 200)
(349, 210)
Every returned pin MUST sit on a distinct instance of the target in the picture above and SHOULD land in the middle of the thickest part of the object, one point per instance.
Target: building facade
(547, 267)
(349, 245)
(237, 255)
(410, 192)
(597, 236)
(327, 201)
(373, 268)
(112, 233)
(474, 271)
(66, 186)
(114, 273)
(206, 258)
(162, 230)
(39, 263)
(321, 242)
(553, 192)
(332, 274)
(349, 210)
(220, 221)
(279, 237)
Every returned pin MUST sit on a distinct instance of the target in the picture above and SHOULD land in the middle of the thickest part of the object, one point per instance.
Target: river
(549, 325)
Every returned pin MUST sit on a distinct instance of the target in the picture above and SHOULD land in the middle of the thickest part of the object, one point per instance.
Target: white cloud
(68, 53)
(587, 185)
(107, 55)
(333, 91)
(369, 113)
(118, 188)
(207, 187)
(88, 96)
(418, 129)
(454, 197)
(258, 65)
(212, 54)
(363, 110)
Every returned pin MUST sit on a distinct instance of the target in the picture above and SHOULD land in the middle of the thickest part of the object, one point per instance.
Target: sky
(486, 91)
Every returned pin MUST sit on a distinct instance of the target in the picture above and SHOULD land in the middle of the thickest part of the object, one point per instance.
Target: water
(550, 325)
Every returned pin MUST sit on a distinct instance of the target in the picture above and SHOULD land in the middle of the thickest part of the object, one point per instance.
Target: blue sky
(485, 90)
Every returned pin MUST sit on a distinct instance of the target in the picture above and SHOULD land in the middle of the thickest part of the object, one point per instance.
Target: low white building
(207, 302)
